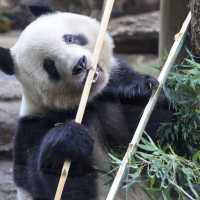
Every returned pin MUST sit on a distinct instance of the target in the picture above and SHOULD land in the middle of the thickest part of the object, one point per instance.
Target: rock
(94, 7)
(125, 7)
(10, 90)
(14, 14)
(5, 24)
(136, 33)
(10, 95)
(7, 187)
(8, 40)
(8, 124)
(7, 4)
(86, 7)
(20, 17)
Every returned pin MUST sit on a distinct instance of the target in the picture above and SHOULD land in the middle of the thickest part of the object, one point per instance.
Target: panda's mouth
(98, 72)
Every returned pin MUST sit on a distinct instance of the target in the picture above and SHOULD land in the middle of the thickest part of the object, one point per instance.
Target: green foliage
(170, 166)
(183, 91)
(166, 175)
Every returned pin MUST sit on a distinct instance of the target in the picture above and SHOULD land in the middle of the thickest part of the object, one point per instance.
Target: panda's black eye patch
(79, 39)
(50, 67)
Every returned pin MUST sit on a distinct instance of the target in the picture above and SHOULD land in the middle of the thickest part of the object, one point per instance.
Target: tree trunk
(195, 27)
(173, 13)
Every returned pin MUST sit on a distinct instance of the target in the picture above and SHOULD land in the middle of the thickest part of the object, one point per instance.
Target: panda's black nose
(80, 66)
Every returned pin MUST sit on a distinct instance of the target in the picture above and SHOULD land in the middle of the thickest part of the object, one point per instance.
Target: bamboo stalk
(86, 91)
(149, 107)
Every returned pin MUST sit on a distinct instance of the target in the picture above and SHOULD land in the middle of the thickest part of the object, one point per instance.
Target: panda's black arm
(39, 154)
(125, 83)
(119, 119)
(70, 141)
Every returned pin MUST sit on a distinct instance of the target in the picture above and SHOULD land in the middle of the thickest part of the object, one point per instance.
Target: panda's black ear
(38, 10)
(6, 61)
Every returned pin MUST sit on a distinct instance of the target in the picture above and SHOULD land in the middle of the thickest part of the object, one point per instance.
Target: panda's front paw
(77, 142)
(150, 84)
(71, 142)
(145, 86)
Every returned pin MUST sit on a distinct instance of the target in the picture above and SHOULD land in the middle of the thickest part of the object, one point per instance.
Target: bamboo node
(177, 36)
(64, 173)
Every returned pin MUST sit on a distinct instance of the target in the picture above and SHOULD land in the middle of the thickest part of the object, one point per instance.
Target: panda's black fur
(42, 143)
(39, 157)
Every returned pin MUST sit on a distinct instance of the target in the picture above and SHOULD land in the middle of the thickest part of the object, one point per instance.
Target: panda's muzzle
(80, 66)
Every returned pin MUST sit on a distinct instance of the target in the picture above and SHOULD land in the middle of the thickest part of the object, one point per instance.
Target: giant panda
(51, 60)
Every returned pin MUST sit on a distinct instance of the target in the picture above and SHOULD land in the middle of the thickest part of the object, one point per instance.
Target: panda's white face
(52, 58)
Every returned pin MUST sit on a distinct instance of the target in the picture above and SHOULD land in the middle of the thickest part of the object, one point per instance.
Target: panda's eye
(69, 39)
(50, 67)
(79, 39)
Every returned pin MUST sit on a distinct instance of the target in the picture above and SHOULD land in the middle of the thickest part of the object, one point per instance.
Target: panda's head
(51, 59)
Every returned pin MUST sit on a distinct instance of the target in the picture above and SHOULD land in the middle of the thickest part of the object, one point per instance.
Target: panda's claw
(152, 82)
(145, 87)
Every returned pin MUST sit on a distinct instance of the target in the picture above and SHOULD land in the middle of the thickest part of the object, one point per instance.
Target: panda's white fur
(44, 38)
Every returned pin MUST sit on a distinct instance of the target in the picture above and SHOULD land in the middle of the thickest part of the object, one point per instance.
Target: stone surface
(10, 90)
(7, 187)
(13, 16)
(7, 40)
(124, 7)
(10, 95)
(94, 7)
(132, 34)
(136, 33)
(7, 4)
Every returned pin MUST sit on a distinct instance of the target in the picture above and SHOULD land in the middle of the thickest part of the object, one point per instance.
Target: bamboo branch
(149, 107)
(87, 87)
